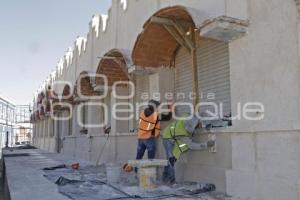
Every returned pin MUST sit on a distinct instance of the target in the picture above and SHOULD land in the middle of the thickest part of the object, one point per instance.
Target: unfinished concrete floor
(27, 180)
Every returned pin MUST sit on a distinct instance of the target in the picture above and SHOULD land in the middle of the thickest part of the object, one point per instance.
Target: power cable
(102, 150)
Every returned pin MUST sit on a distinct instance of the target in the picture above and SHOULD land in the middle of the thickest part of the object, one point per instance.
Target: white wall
(255, 159)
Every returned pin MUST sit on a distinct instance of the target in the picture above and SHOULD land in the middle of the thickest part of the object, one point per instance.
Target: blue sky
(34, 34)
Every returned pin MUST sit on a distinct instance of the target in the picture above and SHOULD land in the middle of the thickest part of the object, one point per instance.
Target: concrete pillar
(44, 133)
(110, 121)
(122, 126)
(66, 128)
(55, 130)
(132, 102)
(33, 134)
(95, 116)
(74, 121)
(154, 85)
(114, 130)
(38, 133)
(47, 129)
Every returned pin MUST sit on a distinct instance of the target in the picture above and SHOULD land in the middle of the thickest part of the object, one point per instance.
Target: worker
(49, 93)
(149, 128)
(177, 140)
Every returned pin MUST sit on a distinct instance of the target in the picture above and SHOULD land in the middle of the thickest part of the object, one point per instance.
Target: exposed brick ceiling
(67, 95)
(113, 66)
(155, 46)
(85, 86)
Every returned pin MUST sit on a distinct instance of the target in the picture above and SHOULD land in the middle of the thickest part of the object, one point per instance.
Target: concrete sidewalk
(24, 174)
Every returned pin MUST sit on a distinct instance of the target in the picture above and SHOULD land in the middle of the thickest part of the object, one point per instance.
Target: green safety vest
(175, 131)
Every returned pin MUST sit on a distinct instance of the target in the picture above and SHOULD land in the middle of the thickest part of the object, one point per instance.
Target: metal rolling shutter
(183, 80)
(214, 73)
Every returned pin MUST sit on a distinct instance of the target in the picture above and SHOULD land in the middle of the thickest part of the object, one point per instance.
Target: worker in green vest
(177, 140)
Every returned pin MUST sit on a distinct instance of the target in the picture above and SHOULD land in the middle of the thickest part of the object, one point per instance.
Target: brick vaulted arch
(171, 27)
(155, 46)
(67, 94)
(83, 88)
(114, 65)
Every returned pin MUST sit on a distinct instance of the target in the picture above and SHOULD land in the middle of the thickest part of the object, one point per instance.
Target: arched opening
(67, 94)
(162, 34)
(114, 67)
(83, 89)
(83, 93)
(67, 99)
(178, 37)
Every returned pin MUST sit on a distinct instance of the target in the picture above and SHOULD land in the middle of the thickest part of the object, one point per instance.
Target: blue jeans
(169, 171)
(144, 144)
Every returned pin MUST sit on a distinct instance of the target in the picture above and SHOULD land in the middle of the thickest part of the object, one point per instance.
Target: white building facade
(237, 53)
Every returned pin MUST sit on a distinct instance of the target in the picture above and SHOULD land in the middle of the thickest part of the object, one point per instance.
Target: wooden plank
(177, 37)
(195, 72)
(183, 34)
(177, 26)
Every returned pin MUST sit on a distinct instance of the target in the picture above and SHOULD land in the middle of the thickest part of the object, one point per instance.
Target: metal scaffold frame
(15, 126)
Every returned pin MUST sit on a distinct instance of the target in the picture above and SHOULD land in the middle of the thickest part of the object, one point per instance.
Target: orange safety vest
(148, 126)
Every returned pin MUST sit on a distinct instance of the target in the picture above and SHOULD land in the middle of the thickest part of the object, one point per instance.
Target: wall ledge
(224, 28)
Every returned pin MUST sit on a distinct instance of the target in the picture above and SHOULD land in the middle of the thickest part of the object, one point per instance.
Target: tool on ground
(127, 168)
(75, 166)
(55, 167)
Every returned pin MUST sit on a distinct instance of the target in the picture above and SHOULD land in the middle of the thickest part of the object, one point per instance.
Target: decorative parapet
(53, 76)
(68, 57)
(123, 3)
(98, 24)
(80, 44)
(95, 24)
(221, 28)
(60, 66)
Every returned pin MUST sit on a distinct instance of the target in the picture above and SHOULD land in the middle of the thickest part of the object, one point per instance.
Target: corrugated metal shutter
(214, 73)
(183, 80)
(141, 89)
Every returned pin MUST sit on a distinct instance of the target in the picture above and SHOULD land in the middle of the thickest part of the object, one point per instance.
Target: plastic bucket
(113, 173)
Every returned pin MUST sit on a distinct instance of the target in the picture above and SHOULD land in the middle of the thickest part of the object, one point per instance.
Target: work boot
(173, 181)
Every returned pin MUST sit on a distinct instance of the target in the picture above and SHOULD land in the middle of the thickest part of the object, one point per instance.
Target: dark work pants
(169, 171)
(146, 144)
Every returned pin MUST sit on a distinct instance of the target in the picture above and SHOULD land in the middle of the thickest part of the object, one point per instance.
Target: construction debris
(90, 182)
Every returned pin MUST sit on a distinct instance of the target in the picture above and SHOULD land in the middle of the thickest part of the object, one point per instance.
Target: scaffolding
(15, 126)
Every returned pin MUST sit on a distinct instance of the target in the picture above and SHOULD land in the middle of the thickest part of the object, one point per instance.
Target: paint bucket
(147, 178)
(113, 173)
